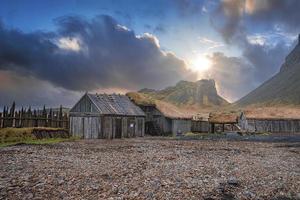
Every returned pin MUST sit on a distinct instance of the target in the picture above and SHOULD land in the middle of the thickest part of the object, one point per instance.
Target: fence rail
(35, 118)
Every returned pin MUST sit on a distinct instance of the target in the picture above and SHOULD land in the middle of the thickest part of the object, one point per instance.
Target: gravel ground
(147, 168)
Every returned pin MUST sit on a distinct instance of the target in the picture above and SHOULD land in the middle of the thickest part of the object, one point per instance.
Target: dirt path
(151, 169)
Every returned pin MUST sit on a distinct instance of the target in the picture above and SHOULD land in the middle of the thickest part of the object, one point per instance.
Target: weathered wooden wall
(92, 127)
(273, 125)
(84, 105)
(200, 126)
(180, 126)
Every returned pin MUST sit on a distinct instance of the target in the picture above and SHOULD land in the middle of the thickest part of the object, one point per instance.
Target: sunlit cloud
(271, 39)
(252, 6)
(210, 44)
(256, 39)
(68, 43)
(150, 37)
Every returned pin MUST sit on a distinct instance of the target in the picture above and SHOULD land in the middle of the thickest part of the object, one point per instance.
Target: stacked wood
(41, 133)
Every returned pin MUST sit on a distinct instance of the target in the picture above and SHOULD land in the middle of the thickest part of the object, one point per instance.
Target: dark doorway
(82, 126)
(152, 128)
(118, 128)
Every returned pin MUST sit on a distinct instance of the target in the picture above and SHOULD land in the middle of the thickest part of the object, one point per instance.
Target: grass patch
(195, 135)
(13, 136)
(191, 134)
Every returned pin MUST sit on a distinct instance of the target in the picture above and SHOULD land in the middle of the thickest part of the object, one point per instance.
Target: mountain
(201, 93)
(281, 89)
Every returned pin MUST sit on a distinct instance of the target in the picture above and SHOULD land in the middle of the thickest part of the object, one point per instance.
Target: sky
(51, 52)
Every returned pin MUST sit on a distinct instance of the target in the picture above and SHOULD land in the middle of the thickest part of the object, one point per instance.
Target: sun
(200, 63)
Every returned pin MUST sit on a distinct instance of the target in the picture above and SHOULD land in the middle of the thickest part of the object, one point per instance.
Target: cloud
(211, 44)
(226, 18)
(233, 75)
(242, 23)
(29, 91)
(266, 59)
(72, 44)
(275, 12)
(90, 54)
(232, 17)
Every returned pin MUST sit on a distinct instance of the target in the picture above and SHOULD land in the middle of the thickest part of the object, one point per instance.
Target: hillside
(201, 93)
(282, 89)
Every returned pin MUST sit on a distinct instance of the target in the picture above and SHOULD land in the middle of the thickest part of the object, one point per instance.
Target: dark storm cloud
(226, 18)
(232, 18)
(271, 12)
(89, 54)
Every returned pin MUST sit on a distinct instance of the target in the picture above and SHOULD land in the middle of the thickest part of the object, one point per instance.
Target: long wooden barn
(106, 116)
(271, 124)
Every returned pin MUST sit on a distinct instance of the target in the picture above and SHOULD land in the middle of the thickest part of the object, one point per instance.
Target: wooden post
(4, 116)
(223, 128)
(60, 117)
(44, 117)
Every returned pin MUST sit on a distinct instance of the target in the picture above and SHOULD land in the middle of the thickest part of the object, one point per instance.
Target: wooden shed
(222, 121)
(200, 123)
(106, 116)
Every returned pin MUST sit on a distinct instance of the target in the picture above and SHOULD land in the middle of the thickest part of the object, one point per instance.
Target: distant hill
(282, 89)
(202, 93)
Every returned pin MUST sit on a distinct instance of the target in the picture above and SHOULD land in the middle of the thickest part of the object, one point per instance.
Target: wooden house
(106, 116)
(163, 118)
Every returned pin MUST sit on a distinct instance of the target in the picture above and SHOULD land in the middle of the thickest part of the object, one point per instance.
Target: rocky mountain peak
(200, 93)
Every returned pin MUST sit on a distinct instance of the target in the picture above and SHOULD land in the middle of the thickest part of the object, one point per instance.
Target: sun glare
(200, 63)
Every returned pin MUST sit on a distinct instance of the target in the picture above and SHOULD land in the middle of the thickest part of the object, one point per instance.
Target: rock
(29, 196)
(95, 187)
(60, 181)
(233, 181)
(249, 194)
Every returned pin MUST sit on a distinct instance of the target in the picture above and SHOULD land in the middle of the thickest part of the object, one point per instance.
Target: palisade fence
(10, 117)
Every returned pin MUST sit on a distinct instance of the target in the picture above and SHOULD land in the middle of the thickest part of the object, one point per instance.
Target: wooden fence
(35, 118)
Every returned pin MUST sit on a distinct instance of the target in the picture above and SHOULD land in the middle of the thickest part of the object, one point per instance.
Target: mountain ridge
(202, 93)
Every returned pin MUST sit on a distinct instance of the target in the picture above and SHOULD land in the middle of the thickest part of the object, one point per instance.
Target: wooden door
(118, 127)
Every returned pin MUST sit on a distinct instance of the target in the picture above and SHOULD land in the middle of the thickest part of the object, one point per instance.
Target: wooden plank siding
(271, 125)
(180, 126)
(200, 126)
(104, 127)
